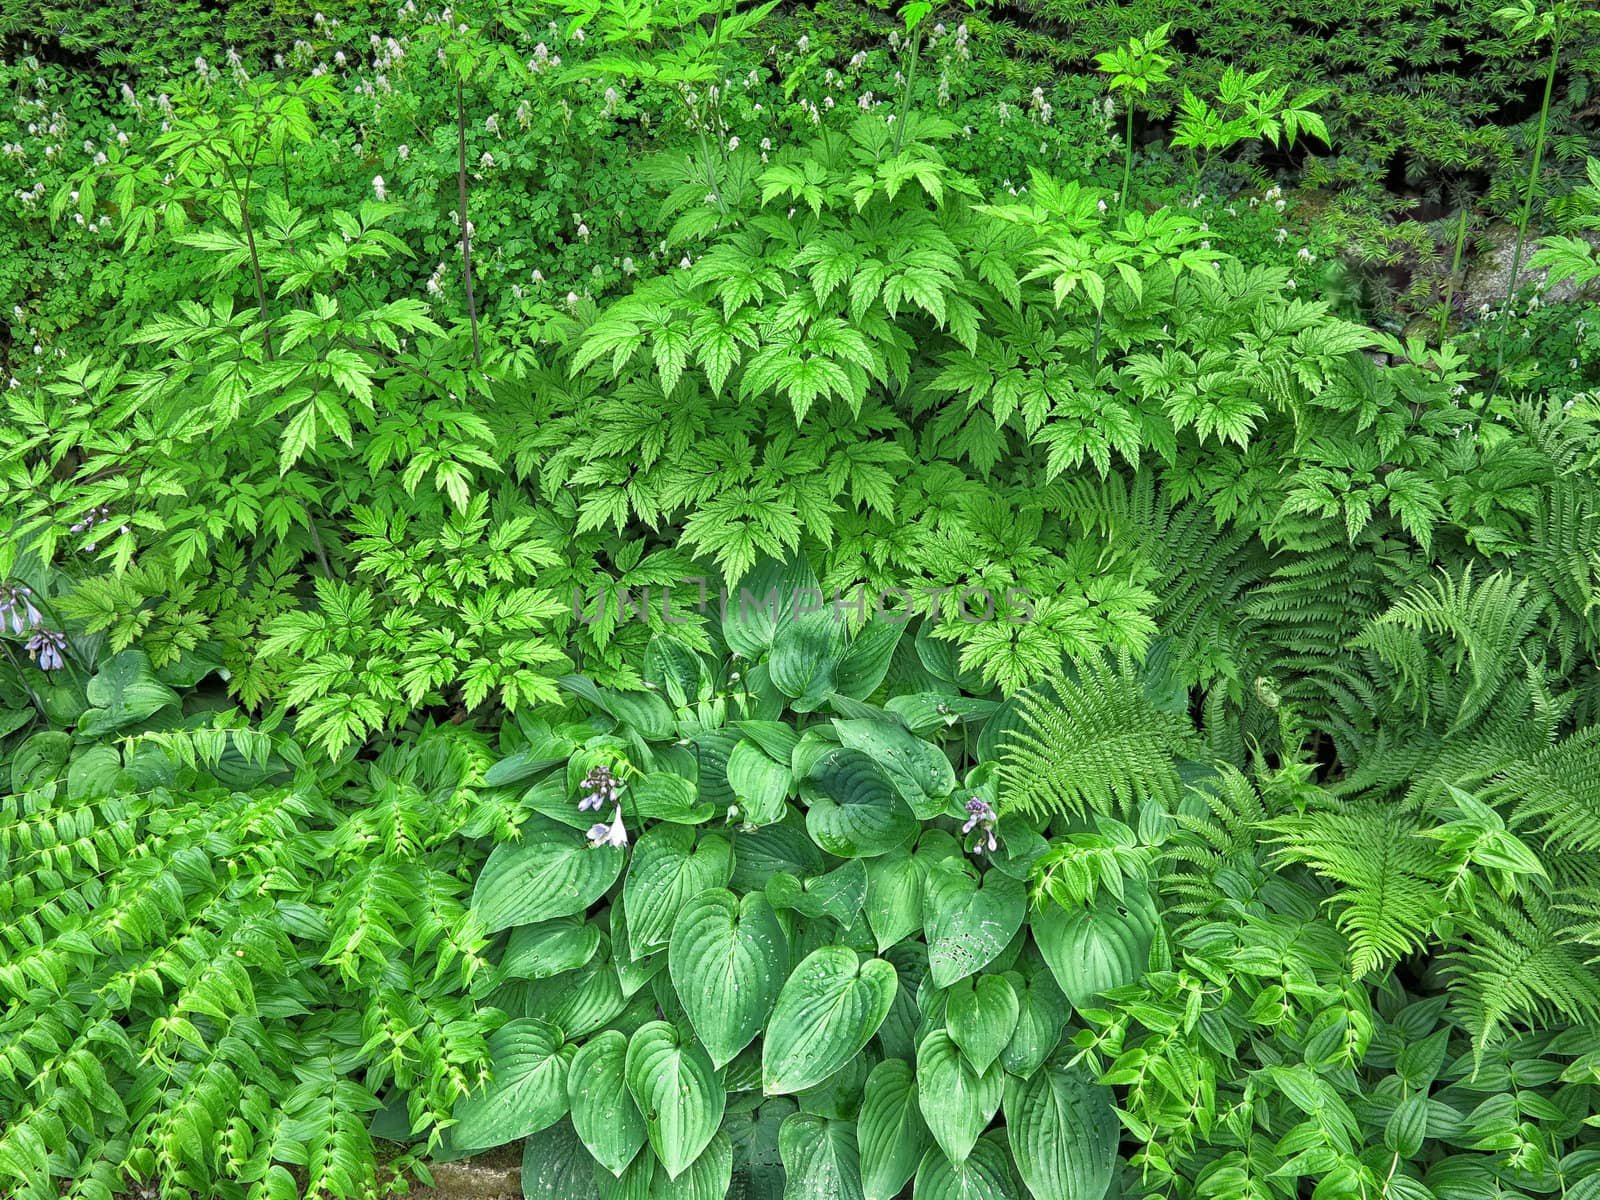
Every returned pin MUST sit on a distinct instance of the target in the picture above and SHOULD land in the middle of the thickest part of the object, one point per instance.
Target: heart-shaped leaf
(819, 1159)
(707, 1178)
(806, 654)
(549, 948)
(890, 1130)
(895, 884)
(985, 1175)
(1042, 1014)
(957, 1101)
(919, 770)
(760, 783)
(838, 894)
(969, 921)
(828, 1010)
(854, 812)
(669, 867)
(1093, 948)
(551, 872)
(527, 1092)
(1063, 1132)
(981, 1014)
(603, 1111)
(728, 959)
(676, 1088)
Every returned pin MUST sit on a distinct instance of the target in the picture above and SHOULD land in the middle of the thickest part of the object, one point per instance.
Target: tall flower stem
(466, 236)
(1527, 207)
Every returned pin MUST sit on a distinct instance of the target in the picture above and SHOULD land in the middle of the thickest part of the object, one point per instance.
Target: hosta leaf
(728, 959)
(1042, 1014)
(838, 894)
(867, 660)
(819, 1159)
(919, 770)
(757, 1160)
(1063, 1132)
(676, 1088)
(551, 873)
(603, 1111)
(635, 1183)
(527, 1091)
(121, 692)
(968, 923)
(762, 602)
(957, 1101)
(890, 1130)
(707, 1178)
(760, 784)
(669, 868)
(985, 1175)
(556, 1166)
(894, 897)
(828, 1010)
(1093, 948)
(549, 948)
(981, 1014)
(853, 811)
(806, 654)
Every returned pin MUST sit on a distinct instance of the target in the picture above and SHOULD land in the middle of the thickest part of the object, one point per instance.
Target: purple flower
(600, 787)
(16, 607)
(613, 834)
(47, 647)
(981, 816)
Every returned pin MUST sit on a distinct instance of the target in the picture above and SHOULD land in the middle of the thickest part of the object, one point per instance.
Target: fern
(1094, 741)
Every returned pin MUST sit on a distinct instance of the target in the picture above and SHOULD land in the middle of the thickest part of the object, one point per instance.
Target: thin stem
(905, 95)
(1127, 161)
(1527, 208)
(466, 237)
(1455, 269)
(243, 196)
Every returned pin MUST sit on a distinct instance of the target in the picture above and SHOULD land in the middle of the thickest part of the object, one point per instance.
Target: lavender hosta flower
(981, 816)
(47, 647)
(16, 607)
(600, 787)
(613, 834)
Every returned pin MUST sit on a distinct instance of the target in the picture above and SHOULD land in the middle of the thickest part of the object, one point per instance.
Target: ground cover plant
(797, 601)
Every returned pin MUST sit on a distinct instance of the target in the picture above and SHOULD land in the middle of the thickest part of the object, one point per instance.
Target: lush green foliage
(915, 639)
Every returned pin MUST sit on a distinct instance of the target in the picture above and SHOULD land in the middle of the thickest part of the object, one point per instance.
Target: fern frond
(1391, 882)
(1095, 742)
(1521, 962)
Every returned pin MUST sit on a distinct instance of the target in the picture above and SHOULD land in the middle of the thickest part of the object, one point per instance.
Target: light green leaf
(895, 884)
(828, 1010)
(728, 958)
(551, 873)
(957, 1101)
(527, 1092)
(676, 1088)
(603, 1111)
(760, 784)
(981, 1014)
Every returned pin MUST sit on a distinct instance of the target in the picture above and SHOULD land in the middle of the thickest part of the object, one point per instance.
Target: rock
(1489, 275)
